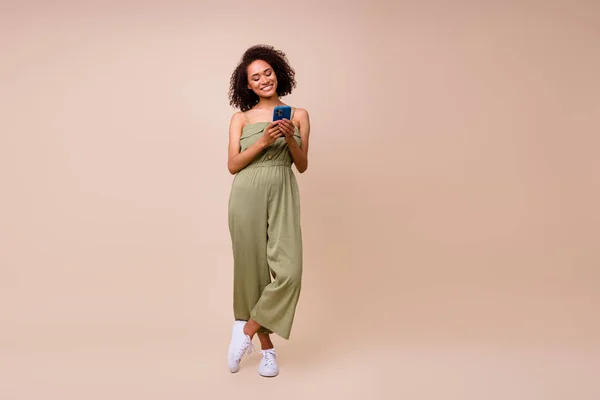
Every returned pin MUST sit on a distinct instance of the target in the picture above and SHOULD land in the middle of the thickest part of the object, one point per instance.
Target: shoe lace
(247, 347)
(269, 356)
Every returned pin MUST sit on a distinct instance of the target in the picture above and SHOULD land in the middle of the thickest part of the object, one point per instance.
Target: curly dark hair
(239, 94)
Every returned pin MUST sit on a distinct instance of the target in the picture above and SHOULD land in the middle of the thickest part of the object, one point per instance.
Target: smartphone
(281, 112)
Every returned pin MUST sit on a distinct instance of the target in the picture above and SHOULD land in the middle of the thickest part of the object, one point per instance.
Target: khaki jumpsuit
(264, 223)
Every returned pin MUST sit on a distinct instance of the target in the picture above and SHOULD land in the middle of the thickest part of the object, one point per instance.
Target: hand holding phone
(280, 113)
(287, 128)
(271, 133)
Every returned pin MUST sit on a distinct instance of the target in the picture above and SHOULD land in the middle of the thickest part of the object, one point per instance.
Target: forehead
(257, 67)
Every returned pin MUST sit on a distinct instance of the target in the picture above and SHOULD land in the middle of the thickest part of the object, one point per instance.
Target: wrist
(261, 142)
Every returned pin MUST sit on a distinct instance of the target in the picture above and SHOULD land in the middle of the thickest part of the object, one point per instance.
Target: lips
(266, 88)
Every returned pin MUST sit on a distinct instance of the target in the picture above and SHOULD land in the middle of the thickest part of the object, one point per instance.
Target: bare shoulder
(236, 126)
(301, 117)
(238, 117)
(301, 113)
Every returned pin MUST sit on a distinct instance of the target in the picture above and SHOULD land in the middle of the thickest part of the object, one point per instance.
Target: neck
(269, 102)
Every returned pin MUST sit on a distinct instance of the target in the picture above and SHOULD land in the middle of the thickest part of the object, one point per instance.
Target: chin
(269, 94)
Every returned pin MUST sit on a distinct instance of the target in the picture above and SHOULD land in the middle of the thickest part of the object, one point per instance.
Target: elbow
(302, 169)
(232, 170)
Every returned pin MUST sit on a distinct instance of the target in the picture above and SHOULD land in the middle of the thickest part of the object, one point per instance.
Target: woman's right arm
(237, 160)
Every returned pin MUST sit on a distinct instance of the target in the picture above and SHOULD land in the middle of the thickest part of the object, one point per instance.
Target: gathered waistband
(269, 164)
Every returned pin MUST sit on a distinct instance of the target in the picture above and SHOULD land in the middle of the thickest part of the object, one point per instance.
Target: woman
(264, 204)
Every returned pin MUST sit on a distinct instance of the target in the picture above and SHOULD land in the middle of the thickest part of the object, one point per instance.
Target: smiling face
(262, 79)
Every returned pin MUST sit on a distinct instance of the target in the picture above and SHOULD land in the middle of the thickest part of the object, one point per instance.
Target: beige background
(450, 209)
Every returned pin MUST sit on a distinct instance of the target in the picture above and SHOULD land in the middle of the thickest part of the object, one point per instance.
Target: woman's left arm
(299, 152)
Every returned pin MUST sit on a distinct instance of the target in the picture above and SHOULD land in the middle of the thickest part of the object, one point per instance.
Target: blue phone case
(281, 112)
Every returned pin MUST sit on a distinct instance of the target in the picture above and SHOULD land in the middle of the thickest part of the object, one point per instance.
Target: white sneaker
(240, 345)
(268, 365)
